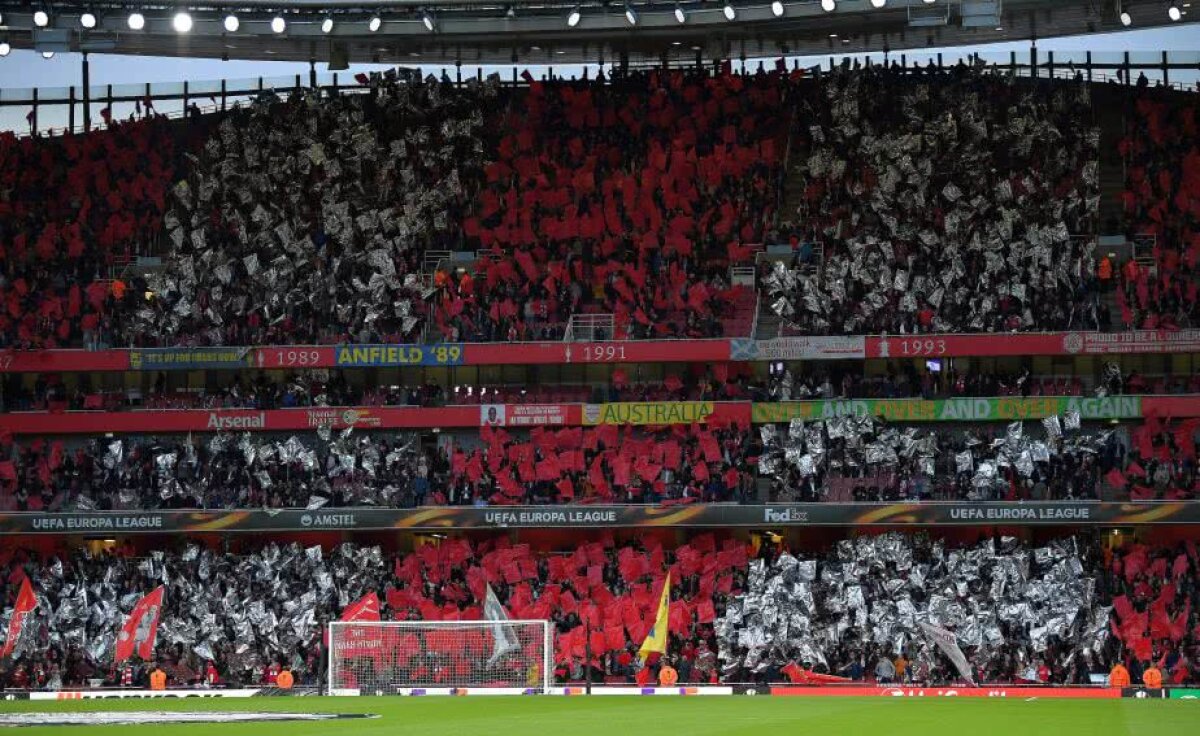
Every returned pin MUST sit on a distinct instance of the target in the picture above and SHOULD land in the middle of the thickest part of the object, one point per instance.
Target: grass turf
(626, 716)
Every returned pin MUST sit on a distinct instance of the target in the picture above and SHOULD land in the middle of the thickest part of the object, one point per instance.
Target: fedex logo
(784, 516)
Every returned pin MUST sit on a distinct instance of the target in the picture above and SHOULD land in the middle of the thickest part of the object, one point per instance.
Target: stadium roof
(476, 32)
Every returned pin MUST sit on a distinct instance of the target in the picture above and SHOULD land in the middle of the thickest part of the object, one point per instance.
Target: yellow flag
(656, 640)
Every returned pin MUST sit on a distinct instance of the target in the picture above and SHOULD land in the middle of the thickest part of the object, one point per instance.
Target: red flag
(26, 603)
(364, 609)
(141, 627)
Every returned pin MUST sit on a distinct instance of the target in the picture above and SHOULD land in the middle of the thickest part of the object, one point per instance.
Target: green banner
(1184, 693)
(952, 410)
(648, 412)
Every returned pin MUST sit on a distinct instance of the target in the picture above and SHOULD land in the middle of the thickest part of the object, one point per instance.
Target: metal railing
(741, 276)
(433, 259)
(590, 328)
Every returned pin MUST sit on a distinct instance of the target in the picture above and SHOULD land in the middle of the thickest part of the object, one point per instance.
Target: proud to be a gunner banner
(1059, 513)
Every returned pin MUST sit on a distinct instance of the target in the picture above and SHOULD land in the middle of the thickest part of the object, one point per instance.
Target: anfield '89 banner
(599, 517)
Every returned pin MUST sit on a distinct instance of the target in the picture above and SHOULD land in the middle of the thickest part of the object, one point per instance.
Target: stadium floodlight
(829, 5)
(631, 16)
(136, 21)
(182, 22)
(680, 16)
(88, 20)
(427, 20)
(232, 23)
(573, 17)
(41, 19)
(1174, 13)
(5, 48)
(730, 11)
(501, 655)
(877, 4)
(278, 24)
(47, 55)
(327, 25)
(777, 9)
(375, 23)
(1126, 18)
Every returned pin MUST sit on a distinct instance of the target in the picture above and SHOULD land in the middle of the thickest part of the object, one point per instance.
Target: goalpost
(440, 657)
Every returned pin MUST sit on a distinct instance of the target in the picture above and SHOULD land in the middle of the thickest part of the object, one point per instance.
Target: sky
(24, 69)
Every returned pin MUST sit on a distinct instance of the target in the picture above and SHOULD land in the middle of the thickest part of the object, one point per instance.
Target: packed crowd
(72, 210)
(955, 201)
(630, 198)
(322, 387)
(944, 204)
(1162, 199)
(678, 464)
(905, 381)
(306, 220)
(217, 471)
(241, 616)
(864, 459)
(1057, 613)
(1154, 593)
(857, 611)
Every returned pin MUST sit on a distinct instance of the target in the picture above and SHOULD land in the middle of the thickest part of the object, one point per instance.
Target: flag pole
(587, 665)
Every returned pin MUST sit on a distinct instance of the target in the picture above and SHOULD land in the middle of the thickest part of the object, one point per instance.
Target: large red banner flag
(364, 609)
(358, 641)
(141, 627)
(26, 604)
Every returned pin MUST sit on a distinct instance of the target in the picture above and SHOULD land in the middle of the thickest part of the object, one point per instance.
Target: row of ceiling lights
(1173, 12)
(182, 21)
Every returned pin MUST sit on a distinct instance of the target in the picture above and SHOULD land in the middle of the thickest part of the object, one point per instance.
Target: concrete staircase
(1109, 104)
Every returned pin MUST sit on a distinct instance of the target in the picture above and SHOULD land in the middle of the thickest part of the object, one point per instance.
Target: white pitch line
(1030, 700)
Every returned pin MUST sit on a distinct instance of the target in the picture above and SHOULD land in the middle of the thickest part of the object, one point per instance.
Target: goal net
(440, 657)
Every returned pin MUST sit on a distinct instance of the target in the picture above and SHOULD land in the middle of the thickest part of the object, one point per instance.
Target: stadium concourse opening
(855, 382)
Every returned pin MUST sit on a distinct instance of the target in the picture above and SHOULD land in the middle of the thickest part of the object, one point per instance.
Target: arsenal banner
(141, 628)
(27, 603)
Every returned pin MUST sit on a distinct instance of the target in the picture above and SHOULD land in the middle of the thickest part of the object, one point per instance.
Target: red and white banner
(1033, 343)
(358, 641)
(364, 609)
(26, 604)
(141, 628)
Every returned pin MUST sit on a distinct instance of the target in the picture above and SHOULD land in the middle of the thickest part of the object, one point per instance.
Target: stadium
(725, 367)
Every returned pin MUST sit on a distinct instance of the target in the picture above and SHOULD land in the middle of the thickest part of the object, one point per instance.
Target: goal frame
(547, 647)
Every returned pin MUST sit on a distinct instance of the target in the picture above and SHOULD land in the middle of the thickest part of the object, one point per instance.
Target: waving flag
(506, 638)
(948, 643)
(656, 640)
(141, 627)
(27, 603)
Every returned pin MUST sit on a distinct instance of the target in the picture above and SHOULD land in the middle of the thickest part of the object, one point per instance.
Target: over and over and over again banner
(629, 351)
(518, 416)
(770, 516)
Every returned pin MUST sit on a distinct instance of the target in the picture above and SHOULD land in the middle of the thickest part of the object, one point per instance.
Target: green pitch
(654, 716)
